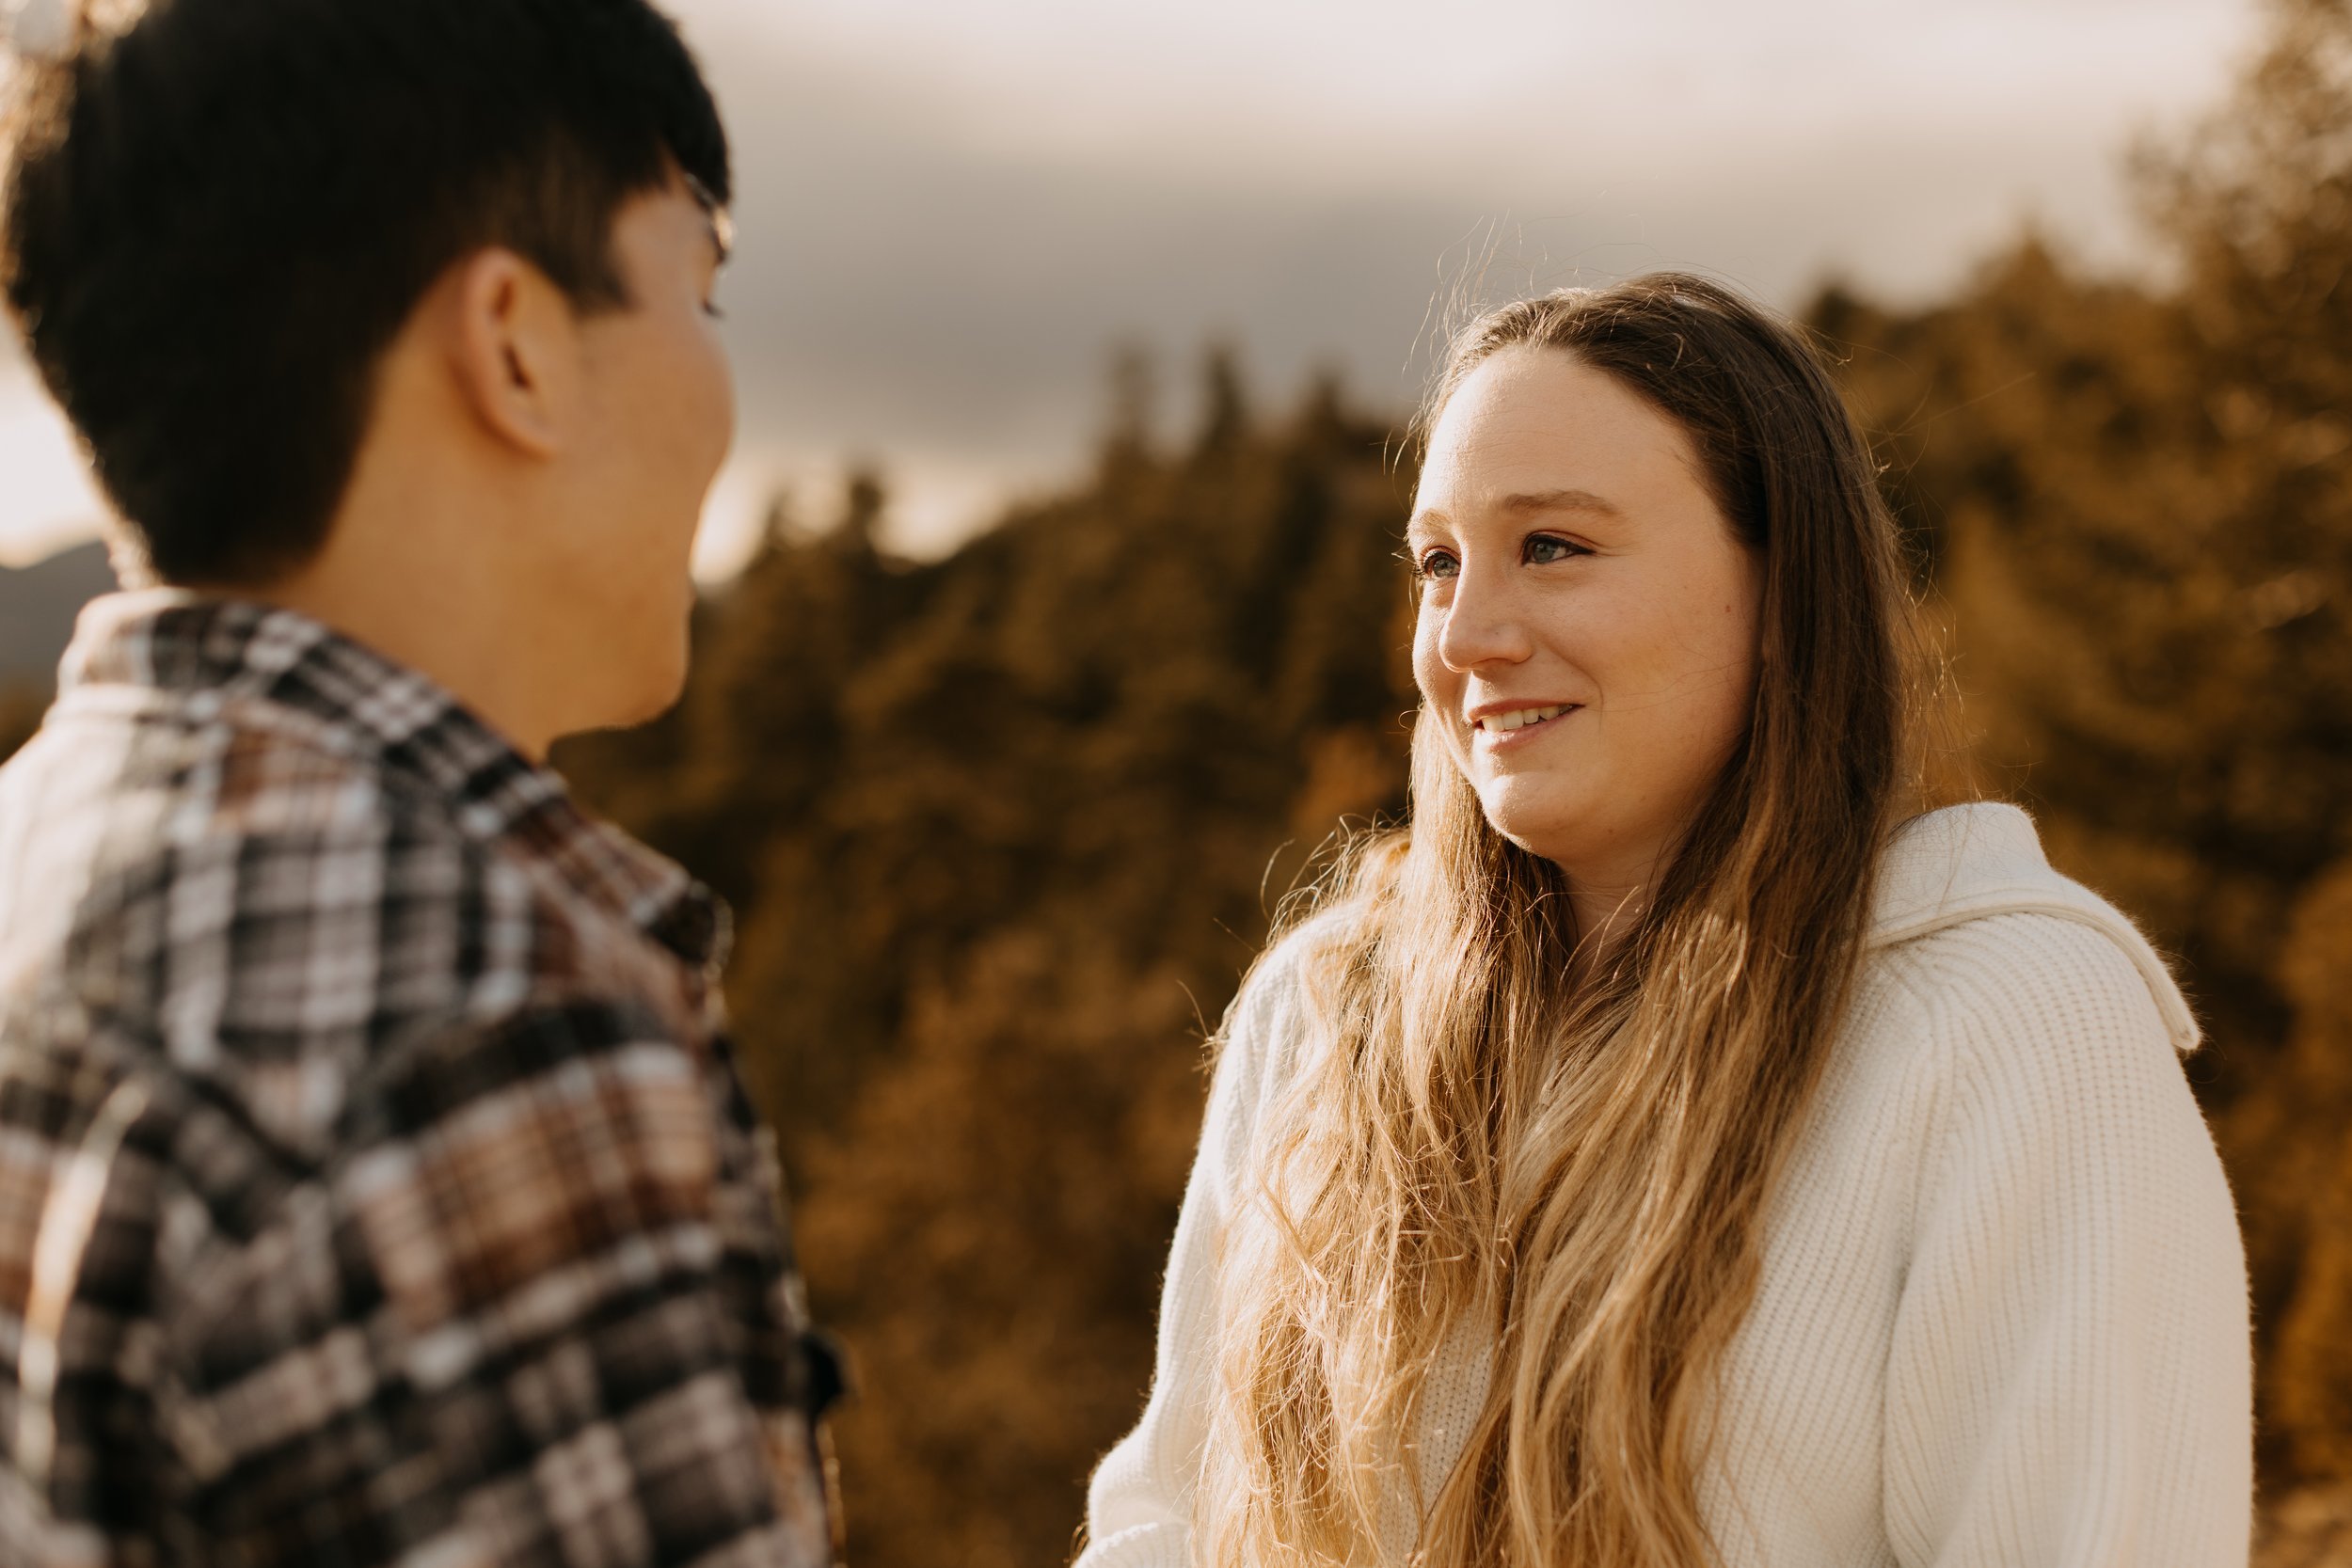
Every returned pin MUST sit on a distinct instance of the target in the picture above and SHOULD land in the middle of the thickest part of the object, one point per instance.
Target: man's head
(289, 265)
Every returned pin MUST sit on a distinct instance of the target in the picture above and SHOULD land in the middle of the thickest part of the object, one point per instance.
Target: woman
(1669, 1150)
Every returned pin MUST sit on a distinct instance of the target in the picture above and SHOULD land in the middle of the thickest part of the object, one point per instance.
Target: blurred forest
(1003, 830)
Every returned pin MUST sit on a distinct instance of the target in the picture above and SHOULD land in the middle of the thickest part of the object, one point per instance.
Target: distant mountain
(38, 604)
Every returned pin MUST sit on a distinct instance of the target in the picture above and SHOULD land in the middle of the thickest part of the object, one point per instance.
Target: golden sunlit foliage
(1002, 833)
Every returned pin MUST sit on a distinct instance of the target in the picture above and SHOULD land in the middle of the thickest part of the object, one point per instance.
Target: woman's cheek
(1429, 672)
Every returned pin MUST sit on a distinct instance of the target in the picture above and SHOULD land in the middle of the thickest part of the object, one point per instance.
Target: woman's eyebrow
(1559, 501)
(1430, 520)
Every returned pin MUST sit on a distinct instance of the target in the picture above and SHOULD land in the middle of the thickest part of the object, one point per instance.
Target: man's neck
(428, 594)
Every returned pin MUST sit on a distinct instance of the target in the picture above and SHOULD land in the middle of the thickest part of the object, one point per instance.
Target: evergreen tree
(1003, 831)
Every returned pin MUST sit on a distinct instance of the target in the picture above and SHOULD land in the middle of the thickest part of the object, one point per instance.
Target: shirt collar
(217, 656)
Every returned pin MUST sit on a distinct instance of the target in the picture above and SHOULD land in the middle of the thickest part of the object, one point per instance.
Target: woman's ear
(516, 351)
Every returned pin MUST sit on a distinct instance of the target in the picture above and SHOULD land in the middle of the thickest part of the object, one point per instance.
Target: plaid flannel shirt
(375, 1186)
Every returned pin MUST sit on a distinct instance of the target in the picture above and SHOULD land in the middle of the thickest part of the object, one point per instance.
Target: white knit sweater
(2002, 1317)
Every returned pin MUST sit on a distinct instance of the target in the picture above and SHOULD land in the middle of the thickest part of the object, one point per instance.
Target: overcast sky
(948, 214)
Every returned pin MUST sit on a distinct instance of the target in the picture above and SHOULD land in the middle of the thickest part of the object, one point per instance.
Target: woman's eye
(1438, 563)
(1543, 548)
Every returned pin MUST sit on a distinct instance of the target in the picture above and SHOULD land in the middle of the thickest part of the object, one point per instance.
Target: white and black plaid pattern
(375, 1186)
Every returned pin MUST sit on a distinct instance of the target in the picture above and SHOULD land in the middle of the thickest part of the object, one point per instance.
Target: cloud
(949, 216)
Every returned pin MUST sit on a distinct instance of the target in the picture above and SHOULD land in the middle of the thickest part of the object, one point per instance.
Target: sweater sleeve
(2070, 1380)
(1140, 1504)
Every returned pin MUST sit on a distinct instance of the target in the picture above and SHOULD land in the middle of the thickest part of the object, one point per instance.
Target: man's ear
(516, 351)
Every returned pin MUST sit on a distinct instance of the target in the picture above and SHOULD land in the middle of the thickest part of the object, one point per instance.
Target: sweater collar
(1974, 861)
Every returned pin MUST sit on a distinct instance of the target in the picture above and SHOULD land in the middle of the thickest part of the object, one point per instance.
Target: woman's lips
(1509, 726)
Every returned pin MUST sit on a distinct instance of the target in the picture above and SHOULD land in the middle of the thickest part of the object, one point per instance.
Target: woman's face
(1587, 632)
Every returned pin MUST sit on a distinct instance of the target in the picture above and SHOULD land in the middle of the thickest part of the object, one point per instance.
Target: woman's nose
(1484, 623)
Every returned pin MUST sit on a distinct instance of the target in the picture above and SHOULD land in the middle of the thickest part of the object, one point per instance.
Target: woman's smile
(1498, 728)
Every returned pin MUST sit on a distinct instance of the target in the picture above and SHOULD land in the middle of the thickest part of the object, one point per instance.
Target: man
(374, 1184)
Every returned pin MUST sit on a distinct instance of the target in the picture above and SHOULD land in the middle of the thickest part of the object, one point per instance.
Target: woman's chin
(1543, 821)
(1544, 839)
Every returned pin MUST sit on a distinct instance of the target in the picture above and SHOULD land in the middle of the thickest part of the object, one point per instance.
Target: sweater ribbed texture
(2002, 1314)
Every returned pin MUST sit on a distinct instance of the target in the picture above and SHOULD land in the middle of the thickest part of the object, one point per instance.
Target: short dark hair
(218, 219)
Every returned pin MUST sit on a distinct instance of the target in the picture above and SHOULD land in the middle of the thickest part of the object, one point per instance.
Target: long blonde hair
(1575, 1167)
